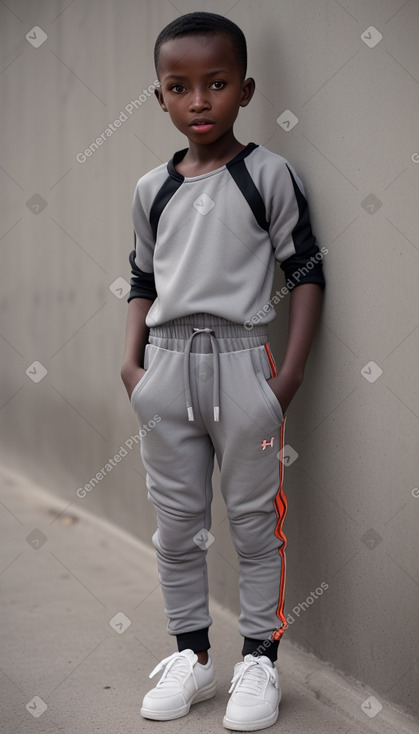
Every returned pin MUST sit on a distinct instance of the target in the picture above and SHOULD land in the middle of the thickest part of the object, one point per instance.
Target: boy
(209, 225)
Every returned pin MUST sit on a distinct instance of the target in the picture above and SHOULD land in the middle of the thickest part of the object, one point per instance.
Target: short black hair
(204, 23)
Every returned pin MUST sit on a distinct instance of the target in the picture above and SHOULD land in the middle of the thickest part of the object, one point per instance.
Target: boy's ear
(248, 90)
(160, 99)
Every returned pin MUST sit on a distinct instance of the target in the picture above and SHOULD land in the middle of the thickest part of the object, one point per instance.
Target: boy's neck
(205, 158)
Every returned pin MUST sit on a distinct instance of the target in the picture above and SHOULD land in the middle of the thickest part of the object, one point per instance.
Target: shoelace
(251, 676)
(178, 666)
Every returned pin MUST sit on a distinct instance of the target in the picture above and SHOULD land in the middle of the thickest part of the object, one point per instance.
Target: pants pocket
(149, 360)
(263, 372)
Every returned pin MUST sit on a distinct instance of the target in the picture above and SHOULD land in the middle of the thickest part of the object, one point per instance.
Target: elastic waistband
(230, 336)
(204, 334)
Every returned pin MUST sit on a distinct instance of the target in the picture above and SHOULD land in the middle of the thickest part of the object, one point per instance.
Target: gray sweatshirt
(208, 243)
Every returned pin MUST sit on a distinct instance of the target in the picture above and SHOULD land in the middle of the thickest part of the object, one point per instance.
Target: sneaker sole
(202, 695)
(250, 725)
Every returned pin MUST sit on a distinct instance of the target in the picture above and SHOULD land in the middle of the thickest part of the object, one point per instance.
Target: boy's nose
(199, 101)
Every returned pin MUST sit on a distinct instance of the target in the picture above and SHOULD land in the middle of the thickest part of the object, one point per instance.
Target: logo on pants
(265, 443)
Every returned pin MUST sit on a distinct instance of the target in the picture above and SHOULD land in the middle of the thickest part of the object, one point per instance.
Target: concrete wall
(65, 236)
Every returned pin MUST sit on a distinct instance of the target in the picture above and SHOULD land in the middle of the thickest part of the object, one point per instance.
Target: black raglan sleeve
(294, 243)
(141, 257)
(142, 284)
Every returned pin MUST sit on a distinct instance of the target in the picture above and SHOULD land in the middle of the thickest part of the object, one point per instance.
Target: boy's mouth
(202, 125)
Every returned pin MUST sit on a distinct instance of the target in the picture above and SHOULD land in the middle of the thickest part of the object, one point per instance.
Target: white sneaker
(184, 682)
(256, 694)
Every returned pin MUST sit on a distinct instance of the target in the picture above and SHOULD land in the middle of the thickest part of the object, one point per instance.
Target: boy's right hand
(136, 338)
(130, 376)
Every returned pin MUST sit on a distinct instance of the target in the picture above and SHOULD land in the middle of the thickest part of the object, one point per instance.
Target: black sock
(269, 648)
(197, 640)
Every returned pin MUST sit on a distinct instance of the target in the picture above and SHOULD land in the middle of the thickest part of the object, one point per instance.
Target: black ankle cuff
(198, 640)
(261, 647)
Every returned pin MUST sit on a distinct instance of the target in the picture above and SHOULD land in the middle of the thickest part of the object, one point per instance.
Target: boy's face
(200, 79)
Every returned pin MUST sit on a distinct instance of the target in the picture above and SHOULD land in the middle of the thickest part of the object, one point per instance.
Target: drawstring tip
(190, 413)
(216, 413)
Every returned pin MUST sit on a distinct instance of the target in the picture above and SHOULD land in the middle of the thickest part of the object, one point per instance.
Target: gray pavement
(83, 626)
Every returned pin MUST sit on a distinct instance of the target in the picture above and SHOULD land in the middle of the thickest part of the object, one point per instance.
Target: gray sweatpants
(204, 393)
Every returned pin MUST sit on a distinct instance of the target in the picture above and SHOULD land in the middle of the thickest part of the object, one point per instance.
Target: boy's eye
(179, 88)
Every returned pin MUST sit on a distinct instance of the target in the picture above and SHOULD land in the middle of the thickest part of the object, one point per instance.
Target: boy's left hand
(304, 309)
(284, 386)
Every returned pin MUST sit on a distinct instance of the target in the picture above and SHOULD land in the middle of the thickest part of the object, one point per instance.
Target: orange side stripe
(281, 507)
(271, 361)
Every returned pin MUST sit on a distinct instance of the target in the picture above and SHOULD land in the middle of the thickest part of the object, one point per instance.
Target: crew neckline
(180, 154)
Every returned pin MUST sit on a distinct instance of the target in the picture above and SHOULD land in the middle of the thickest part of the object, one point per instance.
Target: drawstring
(224, 336)
(216, 381)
